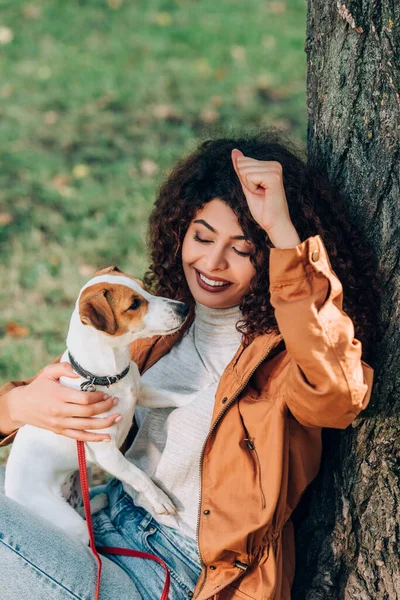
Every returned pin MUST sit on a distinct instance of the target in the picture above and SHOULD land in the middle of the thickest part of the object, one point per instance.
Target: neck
(91, 349)
(216, 326)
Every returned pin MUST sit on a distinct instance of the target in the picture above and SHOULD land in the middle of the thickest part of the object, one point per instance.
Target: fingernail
(115, 401)
(105, 397)
(106, 439)
(118, 419)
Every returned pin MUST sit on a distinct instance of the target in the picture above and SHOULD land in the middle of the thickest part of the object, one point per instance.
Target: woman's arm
(8, 426)
(328, 384)
(44, 402)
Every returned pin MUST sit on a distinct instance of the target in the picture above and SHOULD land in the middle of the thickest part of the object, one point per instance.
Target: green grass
(97, 101)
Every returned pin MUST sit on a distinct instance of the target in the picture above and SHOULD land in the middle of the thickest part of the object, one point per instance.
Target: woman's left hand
(262, 184)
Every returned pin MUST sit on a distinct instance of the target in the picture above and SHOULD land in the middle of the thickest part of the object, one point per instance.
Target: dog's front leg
(152, 397)
(109, 458)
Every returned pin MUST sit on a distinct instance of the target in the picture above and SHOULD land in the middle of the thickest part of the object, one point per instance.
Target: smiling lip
(210, 288)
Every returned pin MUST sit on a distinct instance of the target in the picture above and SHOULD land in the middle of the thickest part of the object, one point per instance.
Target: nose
(215, 259)
(181, 309)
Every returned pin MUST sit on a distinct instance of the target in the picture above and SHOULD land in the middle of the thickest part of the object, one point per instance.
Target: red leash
(109, 549)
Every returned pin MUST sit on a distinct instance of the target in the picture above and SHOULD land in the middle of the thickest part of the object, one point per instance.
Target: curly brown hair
(315, 208)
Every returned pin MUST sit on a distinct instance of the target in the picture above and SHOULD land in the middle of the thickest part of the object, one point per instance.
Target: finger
(85, 436)
(268, 164)
(259, 167)
(235, 154)
(261, 179)
(84, 398)
(269, 171)
(77, 410)
(95, 423)
(63, 369)
(252, 180)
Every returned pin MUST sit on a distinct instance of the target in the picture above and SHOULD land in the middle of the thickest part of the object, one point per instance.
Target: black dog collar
(92, 380)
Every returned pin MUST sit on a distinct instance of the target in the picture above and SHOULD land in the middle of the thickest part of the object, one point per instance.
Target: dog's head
(117, 304)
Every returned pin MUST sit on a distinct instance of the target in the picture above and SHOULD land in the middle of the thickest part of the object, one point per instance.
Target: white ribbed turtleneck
(169, 442)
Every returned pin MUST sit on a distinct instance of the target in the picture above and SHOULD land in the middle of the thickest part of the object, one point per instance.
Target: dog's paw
(98, 502)
(160, 502)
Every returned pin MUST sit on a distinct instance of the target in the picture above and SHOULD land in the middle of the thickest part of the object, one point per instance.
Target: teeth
(213, 283)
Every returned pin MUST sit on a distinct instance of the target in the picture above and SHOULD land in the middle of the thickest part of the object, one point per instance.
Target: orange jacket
(264, 444)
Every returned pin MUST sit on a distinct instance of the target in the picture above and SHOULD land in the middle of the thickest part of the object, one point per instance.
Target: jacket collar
(149, 351)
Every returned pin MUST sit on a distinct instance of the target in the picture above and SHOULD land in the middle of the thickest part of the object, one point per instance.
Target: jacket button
(206, 512)
(224, 400)
(315, 256)
(213, 567)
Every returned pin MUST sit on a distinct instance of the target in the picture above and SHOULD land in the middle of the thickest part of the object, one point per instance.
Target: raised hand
(262, 184)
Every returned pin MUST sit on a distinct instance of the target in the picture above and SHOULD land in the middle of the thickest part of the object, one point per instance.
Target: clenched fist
(262, 184)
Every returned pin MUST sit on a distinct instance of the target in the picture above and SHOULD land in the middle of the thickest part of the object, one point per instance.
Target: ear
(97, 312)
(105, 270)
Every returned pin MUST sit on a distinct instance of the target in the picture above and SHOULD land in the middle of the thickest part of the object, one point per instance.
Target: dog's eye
(135, 305)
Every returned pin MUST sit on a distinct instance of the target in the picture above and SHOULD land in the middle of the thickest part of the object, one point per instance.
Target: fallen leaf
(264, 81)
(115, 4)
(148, 167)
(202, 65)
(276, 8)
(209, 115)
(283, 124)
(80, 171)
(220, 74)
(6, 90)
(6, 218)
(15, 330)
(6, 35)
(244, 94)
(50, 117)
(163, 111)
(86, 270)
(67, 192)
(217, 100)
(268, 42)
(31, 11)
(238, 53)
(163, 19)
(60, 180)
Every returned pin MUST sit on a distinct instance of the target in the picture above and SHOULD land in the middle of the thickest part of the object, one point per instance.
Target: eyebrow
(232, 237)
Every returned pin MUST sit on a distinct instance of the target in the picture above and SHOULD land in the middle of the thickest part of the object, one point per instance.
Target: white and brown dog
(112, 310)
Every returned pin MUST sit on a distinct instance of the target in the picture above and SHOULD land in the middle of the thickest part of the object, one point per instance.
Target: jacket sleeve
(328, 384)
(7, 387)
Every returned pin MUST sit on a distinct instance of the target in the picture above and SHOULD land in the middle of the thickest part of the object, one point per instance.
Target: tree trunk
(348, 544)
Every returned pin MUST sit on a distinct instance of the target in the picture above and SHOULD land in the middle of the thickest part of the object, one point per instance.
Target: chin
(214, 302)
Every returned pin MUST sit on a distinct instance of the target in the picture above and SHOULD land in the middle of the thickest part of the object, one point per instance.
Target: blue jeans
(39, 561)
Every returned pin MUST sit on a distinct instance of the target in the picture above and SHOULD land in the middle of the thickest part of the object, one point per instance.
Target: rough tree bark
(348, 546)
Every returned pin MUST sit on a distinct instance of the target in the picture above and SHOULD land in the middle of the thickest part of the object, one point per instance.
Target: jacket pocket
(254, 454)
(250, 446)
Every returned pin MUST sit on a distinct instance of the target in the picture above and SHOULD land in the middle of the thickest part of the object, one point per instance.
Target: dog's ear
(95, 310)
(105, 270)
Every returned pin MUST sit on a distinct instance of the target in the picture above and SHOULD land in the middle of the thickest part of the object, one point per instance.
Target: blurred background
(98, 98)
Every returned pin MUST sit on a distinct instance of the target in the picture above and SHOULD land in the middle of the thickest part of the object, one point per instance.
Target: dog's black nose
(182, 309)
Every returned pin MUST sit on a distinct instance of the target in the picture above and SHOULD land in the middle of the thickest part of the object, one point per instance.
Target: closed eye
(198, 239)
(242, 253)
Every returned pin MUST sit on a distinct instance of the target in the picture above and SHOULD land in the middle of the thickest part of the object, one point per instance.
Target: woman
(239, 231)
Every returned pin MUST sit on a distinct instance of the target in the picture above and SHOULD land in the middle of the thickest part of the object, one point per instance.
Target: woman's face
(216, 257)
